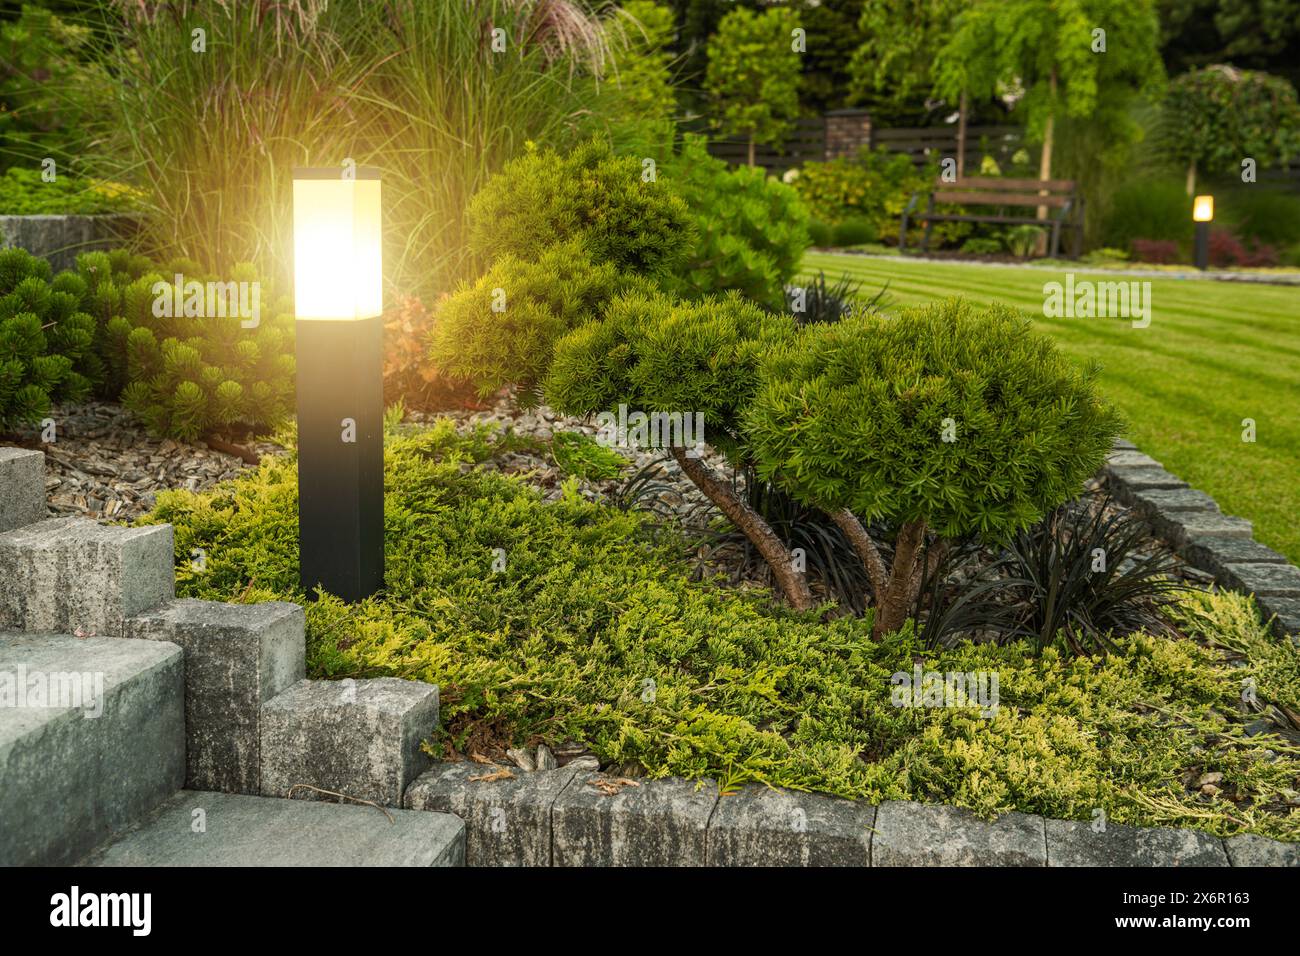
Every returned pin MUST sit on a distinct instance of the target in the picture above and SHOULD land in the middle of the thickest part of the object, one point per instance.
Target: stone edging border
(1221, 545)
(573, 817)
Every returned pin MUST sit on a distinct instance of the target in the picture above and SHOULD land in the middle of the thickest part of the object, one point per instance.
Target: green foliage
(1148, 208)
(1048, 50)
(981, 246)
(750, 229)
(501, 329)
(50, 87)
(1259, 213)
(753, 75)
(590, 606)
(1216, 117)
(969, 421)
(46, 341)
(899, 40)
(1023, 240)
(655, 354)
(820, 233)
(581, 455)
(24, 193)
(543, 198)
(874, 186)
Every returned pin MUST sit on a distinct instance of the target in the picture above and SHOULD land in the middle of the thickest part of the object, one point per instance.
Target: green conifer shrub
(46, 341)
(623, 216)
(656, 354)
(187, 375)
(943, 420)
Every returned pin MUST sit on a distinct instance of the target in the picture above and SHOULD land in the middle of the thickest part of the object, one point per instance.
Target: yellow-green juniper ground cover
(595, 602)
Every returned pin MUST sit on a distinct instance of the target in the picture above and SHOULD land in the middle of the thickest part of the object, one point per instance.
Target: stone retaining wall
(62, 238)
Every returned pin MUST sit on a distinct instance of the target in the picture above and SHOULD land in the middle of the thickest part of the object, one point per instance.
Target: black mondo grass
(1083, 575)
(830, 303)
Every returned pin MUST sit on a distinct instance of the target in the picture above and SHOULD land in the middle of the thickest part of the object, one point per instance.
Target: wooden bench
(1064, 204)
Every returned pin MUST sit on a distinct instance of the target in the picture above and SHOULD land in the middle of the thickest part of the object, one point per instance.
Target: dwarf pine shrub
(46, 340)
(943, 420)
(623, 215)
(668, 358)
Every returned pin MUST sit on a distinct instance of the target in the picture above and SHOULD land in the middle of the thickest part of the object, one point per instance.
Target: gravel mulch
(103, 464)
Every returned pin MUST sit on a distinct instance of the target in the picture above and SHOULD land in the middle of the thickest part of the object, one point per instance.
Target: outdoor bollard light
(1203, 213)
(338, 301)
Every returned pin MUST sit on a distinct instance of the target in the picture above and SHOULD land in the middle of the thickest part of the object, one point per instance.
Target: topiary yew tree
(658, 355)
(942, 420)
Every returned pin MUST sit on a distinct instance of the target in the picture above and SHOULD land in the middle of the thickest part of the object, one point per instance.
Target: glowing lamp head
(1203, 209)
(337, 259)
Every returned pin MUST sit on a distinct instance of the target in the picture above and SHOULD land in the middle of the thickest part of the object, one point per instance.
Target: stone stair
(114, 696)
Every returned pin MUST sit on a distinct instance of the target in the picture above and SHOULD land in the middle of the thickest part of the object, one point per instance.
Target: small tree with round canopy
(655, 354)
(943, 420)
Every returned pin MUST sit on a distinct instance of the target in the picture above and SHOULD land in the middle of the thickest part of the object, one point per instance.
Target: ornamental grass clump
(943, 421)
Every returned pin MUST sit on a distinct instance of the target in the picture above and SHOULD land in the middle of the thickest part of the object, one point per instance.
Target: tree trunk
(1191, 179)
(961, 137)
(792, 583)
(751, 149)
(1045, 164)
(903, 584)
(865, 549)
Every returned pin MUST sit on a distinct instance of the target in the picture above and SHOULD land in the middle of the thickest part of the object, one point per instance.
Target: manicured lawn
(1215, 353)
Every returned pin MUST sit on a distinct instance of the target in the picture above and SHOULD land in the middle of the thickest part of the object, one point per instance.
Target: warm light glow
(1203, 209)
(337, 259)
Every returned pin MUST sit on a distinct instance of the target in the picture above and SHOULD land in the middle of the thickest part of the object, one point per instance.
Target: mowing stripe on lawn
(1215, 353)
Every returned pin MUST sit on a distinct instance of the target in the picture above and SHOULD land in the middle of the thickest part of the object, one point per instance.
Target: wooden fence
(844, 132)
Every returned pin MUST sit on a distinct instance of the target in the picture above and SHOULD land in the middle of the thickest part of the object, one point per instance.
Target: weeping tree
(944, 423)
(896, 56)
(1067, 56)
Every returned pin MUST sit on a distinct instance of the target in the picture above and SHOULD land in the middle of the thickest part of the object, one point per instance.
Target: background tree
(833, 36)
(1256, 34)
(753, 75)
(1051, 49)
(1216, 117)
(641, 42)
(895, 57)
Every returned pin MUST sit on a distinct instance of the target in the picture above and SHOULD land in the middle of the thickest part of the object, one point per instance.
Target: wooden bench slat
(1000, 199)
(997, 184)
(945, 217)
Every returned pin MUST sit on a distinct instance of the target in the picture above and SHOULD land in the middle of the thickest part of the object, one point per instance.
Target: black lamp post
(1203, 214)
(338, 299)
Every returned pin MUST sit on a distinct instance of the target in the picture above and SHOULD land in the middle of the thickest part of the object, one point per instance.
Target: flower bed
(577, 620)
